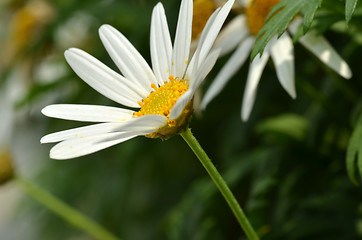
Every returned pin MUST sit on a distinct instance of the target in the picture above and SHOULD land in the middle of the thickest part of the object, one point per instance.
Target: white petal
(100, 136)
(209, 34)
(81, 132)
(281, 51)
(127, 58)
(148, 123)
(180, 104)
(199, 77)
(87, 113)
(255, 70)
(161, 46)
(233, 64)
(79, 147)
(181, 51)
(192, 67)
(102, 78)
(294, 25)
(231, 35)
(321, 48)
(204, 69)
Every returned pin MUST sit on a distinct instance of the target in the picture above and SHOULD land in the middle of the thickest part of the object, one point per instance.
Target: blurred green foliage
(286, 165)
(350, 7)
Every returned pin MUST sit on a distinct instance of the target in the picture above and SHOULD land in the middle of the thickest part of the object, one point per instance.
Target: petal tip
(158, 5)
(56, 156)
(244, 118)
(43, 140)
(346, 72)
(203, 105)
(292, 93)
(245, 113)
(105, 26)
(67, 52)
(70, 53)
(44, 110)
(103, 29)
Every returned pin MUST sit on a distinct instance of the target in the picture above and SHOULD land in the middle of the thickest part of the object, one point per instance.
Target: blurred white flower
(10, 92)
(23, 28)
(239, 35)
(50, 69)
(74, 31)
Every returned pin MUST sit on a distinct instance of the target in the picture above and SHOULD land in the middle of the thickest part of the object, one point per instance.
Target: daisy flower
(240, 35)
(163, 94)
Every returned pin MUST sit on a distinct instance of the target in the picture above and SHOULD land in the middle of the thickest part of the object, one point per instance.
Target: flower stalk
(220, 183)
(64, 211)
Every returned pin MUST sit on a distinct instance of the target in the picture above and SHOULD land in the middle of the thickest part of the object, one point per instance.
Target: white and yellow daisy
(164, 94)
(240, 35)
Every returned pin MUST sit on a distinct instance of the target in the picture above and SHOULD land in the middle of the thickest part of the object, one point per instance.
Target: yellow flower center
(256, 13)
(202, 11)
(163, 98)
(161, 101)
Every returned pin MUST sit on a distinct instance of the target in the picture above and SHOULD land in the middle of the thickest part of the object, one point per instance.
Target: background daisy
(239, 35)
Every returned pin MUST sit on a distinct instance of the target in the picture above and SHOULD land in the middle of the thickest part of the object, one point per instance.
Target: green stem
(220, 183)
(64, 211)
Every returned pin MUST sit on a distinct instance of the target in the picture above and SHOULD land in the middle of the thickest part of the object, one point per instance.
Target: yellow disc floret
(161, 102)
(256, 13)
(163, 98)
(202, 11)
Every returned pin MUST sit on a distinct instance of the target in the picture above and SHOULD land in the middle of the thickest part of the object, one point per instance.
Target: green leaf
(279, 18)
(309, 12)
(292, 125)
(350, 7)
(354, 152)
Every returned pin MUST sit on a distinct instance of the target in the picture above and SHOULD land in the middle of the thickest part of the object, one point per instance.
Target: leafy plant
(354, 152)
(279, 18)
(350, 8)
